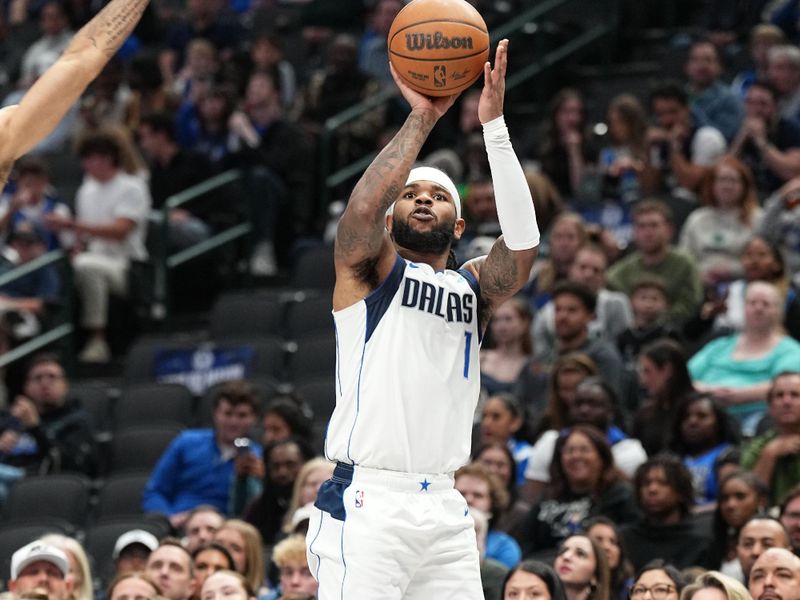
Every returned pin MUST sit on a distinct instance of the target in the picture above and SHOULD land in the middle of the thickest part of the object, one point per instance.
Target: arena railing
(605, 26)
(59, 331)
(166, 262)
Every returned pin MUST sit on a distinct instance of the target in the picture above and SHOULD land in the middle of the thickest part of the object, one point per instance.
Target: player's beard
(435, 241)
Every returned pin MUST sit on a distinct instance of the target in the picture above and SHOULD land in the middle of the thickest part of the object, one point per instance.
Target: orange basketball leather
(438, 47)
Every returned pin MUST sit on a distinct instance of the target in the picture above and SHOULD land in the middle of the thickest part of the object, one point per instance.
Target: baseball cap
(34, 552)
(134, 536)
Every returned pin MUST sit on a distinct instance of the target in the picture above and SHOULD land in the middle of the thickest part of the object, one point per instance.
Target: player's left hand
(494, 85)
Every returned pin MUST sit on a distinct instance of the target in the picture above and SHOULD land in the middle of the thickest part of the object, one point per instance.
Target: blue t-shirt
(704, 479)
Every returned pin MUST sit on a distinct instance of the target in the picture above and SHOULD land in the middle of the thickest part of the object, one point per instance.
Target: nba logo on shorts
(439, 75)
(359, 498)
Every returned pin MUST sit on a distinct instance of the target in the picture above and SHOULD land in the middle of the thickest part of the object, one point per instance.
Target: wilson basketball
(438, 47)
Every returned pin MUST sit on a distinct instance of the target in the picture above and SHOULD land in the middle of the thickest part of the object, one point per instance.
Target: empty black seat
(139, 448)
(60, 496)
(153, 403)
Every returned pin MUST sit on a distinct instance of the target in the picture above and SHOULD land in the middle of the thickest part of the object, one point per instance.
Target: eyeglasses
(657, 592)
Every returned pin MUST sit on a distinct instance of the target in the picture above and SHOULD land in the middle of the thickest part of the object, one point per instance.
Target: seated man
(756, 536)
(37, 567)
(51, 424)
(110, 227)
(790, 517)
(666, 529)
(775, 455)
(776, 574)
(198, 466)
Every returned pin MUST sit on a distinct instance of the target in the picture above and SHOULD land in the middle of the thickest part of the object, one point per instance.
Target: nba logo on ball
(438, 47)
(359, 498)
(440, 76)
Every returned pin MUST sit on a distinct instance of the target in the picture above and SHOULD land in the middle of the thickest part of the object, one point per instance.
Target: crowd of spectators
(639, 422)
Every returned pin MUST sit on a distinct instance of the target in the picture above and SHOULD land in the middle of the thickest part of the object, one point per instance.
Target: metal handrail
(167, 262)
(59, 332)
(330, 180)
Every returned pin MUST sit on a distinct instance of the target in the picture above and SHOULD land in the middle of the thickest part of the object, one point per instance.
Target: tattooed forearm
(112, 25)
(361, 228)
(499, 274)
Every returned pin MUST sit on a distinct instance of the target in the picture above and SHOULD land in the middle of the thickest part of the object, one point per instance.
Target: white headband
(439, 178)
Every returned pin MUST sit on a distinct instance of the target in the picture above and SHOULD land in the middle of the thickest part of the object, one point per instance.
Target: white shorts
(387, 535)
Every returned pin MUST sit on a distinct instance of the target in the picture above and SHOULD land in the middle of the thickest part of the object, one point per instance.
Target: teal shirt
(715, 365)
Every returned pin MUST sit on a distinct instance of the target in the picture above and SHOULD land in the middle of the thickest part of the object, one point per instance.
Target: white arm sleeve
(512, 194)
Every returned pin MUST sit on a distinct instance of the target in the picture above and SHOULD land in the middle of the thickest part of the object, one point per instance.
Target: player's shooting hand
(419, 102)
(490, 105)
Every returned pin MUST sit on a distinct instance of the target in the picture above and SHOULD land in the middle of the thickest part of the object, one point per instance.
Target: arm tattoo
(499, 274)
(378, 188)
(109, 28)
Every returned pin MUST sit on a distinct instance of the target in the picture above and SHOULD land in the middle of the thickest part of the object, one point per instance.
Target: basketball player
(24, 125)
(389, 524)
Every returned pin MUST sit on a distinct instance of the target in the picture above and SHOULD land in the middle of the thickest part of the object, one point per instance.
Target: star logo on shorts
(423, 485)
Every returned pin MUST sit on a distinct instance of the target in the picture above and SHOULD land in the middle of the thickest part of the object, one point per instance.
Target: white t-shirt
(124, 196)
(628, 455)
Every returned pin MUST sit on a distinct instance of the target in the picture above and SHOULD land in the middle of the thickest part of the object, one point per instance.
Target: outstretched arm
(26, 124)
(506, 269)
(363, 252)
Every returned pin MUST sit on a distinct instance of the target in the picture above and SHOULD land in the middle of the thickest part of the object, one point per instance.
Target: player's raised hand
(494, 85)
(437, 105)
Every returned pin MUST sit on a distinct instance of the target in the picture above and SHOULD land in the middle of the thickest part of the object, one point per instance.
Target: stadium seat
(121, 496)
(153, 403)
(314, 269)
(320, 396)
(60, 496)
(247, 315)
(314, 356)
(311, 316)
(96, 401)
(139, 448)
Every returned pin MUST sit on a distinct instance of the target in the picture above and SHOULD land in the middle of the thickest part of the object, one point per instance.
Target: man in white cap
(408, 329)
(132, 550)
(41, 569)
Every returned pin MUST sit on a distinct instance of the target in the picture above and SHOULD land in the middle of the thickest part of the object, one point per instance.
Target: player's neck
(437, 261)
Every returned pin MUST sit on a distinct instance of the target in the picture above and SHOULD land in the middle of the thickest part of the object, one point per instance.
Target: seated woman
(593, 405)
(715, 234)
(583, 483)
(582, 568)
(608, 536)
(666, 381)
(701, 431)
(658, 579)
(533, 579)
(511, 346)
(483, 491)
(738, 369)
(742, 496)
(503, 420)
(723, 312)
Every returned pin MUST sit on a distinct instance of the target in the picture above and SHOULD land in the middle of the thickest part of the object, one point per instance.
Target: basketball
(438, 47)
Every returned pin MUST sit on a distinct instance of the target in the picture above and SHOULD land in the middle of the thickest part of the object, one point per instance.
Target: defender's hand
(490, 105)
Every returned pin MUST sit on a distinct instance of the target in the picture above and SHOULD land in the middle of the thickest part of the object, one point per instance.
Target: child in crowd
(650, 304)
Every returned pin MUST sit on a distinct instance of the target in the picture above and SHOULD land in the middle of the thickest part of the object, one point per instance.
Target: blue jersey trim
(379, 299)
(330, 498)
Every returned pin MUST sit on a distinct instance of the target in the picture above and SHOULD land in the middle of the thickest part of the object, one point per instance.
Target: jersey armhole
(377, 302)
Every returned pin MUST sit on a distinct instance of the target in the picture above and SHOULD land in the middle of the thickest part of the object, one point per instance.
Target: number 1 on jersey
(468, 339)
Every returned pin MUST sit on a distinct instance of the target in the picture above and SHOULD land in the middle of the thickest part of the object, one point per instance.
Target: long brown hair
(609, 474)
(555, 413)
(748, 201)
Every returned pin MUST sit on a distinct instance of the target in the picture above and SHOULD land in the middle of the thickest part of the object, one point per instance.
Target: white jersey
(407, 372)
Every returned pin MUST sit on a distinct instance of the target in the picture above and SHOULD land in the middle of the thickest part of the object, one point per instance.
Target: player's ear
(389, 220)
(458, 229)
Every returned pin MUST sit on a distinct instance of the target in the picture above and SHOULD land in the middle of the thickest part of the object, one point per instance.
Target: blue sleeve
(159, 493)
(503, 548)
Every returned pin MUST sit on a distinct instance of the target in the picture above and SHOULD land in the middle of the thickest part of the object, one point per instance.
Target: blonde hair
(305, 471)
(253, 550)
(248, 589)
(72, 546)
(290, 549)
(732, 589)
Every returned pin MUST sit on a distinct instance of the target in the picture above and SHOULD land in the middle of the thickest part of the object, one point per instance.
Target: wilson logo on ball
(436, 41)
